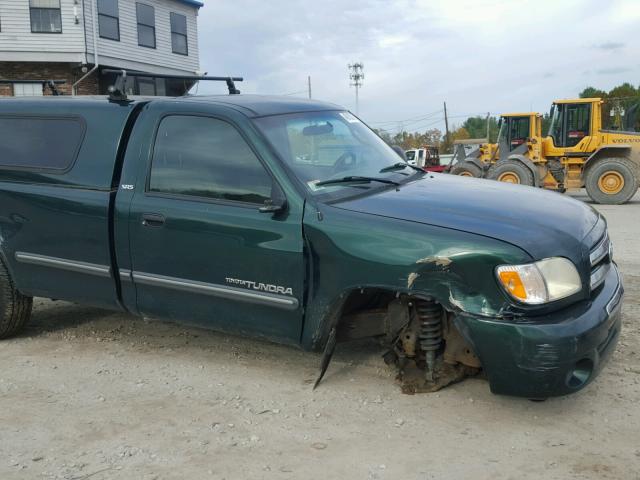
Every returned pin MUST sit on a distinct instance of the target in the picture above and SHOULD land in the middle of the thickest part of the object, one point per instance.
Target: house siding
(17, 43)
(126, 53)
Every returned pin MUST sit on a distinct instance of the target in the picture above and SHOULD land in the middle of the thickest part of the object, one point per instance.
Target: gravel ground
(86, 393)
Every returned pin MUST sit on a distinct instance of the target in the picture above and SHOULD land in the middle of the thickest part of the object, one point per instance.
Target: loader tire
(611, 180)
(511, 171)
(15, 308)
(466, 169)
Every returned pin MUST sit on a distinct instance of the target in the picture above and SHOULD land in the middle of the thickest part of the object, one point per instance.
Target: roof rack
(117, 91)
(50, 84)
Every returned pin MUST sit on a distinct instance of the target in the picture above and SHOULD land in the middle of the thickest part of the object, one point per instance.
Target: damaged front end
(429, 351)
(421, 338)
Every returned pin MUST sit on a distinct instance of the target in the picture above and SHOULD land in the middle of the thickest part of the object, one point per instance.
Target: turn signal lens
(540, 282)
(513, 283)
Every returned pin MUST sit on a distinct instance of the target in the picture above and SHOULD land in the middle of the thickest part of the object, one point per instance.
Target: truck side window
(206, 157)
(40, 143)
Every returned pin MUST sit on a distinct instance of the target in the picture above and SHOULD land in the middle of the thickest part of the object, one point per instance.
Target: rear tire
(466, 169)
(15, 308)
(511, 171)
(611, 180)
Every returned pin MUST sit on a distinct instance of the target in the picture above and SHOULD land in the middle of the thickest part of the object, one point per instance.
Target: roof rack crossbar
(118, 88)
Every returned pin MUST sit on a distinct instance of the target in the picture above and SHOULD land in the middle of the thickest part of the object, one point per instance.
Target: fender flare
(335, 309)
(623, 150)
(477, 162)
(4, 258)
(530, 165)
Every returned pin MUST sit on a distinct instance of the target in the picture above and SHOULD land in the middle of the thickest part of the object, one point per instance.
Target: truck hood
(542, 223)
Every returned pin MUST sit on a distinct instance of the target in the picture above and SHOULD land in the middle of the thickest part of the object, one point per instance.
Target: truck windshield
(330, 145)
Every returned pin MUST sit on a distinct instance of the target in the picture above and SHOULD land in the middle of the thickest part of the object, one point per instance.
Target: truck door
(201, 251)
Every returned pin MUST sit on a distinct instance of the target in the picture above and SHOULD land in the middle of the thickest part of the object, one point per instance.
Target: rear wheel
(15, 308)
(466, 169)
(611, 180)
(511, 171)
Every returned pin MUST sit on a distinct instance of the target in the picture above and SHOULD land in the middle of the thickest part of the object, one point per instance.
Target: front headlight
(540, 282)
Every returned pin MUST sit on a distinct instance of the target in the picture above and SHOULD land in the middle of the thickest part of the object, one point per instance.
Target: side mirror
(274, 205)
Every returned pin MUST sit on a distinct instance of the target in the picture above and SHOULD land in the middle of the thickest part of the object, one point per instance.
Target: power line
(409, 120)
(401, 127)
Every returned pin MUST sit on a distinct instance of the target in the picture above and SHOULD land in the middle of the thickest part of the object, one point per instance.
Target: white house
(74, 41)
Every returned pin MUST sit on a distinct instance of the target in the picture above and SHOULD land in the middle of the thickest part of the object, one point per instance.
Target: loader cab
(571, 122)
(515, 133)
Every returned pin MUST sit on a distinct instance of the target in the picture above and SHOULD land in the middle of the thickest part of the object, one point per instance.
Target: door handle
(152, 220)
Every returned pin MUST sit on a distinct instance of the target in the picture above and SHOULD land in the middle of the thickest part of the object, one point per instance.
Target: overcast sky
(478, 55)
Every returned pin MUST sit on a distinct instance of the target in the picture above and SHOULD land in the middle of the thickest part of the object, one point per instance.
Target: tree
(626, 90)
(460, 134)
(433, 137)
(386, 136)
(408, 140)
(591, 92)
(546, 123)
(477, 127)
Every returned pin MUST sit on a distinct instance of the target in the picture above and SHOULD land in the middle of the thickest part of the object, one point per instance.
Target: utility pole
(309, 85)
(446, 125)
(488, 126)
(356, 75)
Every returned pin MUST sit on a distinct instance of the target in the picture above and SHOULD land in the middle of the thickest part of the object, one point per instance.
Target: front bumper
(552, 355)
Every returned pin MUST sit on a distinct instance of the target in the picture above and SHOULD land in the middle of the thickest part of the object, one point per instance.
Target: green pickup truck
(291, 220)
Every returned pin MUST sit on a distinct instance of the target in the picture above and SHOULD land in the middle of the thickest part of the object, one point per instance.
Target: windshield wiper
(399, 165)
(356, 178)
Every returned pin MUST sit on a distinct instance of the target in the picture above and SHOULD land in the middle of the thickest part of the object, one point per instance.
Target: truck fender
(530, 165)
(608, 151)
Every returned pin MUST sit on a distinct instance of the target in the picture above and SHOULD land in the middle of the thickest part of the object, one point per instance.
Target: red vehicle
(432, 159)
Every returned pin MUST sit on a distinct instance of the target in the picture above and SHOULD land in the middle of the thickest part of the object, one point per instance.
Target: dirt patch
(86, 393)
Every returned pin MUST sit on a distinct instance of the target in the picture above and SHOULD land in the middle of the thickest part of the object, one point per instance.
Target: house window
(27, 89)
(179, 43)
(45, 16)
(108, 19)
(146, 25)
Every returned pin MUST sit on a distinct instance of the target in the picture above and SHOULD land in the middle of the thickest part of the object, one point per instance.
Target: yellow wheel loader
(516, 130)
(587, 151)
(591, 143)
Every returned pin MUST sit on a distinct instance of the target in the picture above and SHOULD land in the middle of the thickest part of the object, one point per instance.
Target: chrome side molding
(64, 264)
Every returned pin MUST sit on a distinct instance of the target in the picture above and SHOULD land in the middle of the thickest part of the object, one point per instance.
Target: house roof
(192, 3)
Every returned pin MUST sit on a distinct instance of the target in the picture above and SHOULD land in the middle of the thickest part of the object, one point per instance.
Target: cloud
(477, 55)
(612, 46)
(392, 40)
(613, 70)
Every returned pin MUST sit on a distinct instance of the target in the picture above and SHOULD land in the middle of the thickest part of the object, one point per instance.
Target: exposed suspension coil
(430, 314)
